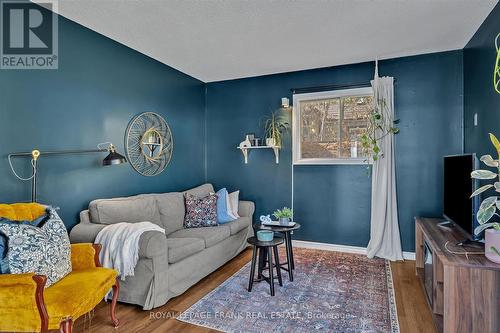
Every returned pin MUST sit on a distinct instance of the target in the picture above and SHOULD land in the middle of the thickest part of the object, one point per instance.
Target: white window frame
(296, 135)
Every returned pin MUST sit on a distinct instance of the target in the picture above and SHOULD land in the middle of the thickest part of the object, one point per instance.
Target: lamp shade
(114, 158)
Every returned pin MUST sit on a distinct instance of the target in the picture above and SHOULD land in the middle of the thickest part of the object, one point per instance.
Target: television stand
(463, 293)
(472, 243)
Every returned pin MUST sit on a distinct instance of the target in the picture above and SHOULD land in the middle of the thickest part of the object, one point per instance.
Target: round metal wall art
(149, 143)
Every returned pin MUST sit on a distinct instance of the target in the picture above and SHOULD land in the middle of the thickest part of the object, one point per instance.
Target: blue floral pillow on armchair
(4, 263)
(42, 250)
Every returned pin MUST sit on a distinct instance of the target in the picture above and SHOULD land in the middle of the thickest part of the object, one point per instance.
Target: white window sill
(333, 161)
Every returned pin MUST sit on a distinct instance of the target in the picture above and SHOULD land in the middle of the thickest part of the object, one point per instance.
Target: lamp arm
(36, 153)
(60, 152)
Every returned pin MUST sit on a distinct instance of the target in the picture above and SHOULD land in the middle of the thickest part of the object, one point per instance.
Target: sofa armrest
(85, 255)
(85, 232)
(246, 208)
(22, 307)
(152, 244)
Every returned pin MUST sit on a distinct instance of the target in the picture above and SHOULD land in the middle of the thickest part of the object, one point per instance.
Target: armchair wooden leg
(116, 291)
(66, 326)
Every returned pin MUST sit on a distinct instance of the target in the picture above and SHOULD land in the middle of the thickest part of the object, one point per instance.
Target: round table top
(274, 242)
(276, 228)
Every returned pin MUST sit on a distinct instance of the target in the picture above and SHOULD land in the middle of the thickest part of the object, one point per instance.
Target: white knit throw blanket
(120, 245)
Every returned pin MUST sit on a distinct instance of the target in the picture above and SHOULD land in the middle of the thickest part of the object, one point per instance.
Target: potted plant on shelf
(489, 205)
(284, 215)
(274, 128)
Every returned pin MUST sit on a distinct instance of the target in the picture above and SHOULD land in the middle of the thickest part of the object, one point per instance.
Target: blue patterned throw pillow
(42, 250)
(4, 263)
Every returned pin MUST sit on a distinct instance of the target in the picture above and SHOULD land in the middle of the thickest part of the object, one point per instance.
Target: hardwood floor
(413, 312)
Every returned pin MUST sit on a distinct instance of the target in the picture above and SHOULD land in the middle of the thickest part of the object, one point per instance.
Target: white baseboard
(341, 248)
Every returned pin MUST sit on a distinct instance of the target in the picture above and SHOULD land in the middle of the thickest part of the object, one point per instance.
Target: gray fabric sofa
(168, 264)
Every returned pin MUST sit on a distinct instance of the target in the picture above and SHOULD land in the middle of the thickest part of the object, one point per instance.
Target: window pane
(356, 111)
(320, 128)
(332, 127)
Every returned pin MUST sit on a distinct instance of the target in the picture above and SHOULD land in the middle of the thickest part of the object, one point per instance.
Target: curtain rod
(327, 87)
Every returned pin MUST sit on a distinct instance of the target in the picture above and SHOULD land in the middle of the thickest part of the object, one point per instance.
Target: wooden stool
(265, 247)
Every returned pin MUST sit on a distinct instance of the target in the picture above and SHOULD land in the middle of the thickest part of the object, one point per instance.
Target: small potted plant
(489, 206)
(284, 215)
(274, 128)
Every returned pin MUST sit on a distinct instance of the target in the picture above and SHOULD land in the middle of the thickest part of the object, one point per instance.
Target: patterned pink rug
(331, 292)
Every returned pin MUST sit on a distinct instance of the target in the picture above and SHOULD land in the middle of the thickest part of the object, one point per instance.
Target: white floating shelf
(246, 150)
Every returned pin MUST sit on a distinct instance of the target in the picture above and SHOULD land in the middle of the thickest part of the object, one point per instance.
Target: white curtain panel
(385, 241)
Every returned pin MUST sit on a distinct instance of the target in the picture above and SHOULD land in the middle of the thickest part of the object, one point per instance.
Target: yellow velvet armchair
(26, 306)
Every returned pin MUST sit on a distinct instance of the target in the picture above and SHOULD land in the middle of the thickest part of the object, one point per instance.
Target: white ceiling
(218, 40)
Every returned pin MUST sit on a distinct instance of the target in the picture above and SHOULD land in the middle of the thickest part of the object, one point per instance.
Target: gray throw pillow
(42, 250)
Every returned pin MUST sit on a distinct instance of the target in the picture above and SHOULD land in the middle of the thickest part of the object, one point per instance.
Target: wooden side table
(289, 265)
(265, 247)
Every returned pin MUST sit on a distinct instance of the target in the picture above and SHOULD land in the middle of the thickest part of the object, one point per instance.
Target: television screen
(458, 186)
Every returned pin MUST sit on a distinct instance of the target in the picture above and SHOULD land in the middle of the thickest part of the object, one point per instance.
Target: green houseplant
(496, 70)
(380, 124)
(283, 215)
(274, 127)
(490, 205)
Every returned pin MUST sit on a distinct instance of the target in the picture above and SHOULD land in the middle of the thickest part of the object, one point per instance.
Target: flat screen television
(458, 186)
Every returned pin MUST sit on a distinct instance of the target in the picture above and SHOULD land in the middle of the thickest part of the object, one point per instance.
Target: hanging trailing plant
(380, 124)
(496, 70)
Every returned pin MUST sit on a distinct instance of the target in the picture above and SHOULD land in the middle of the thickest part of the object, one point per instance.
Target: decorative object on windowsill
(283, 215)
(113, 158)
(380, 123)
(265, 235)
(149, 143)
(496, 71)
(489, 205)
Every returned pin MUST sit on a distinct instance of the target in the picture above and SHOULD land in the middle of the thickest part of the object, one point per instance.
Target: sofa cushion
(172, 211)
(134, 209)
(180, 248)
(210, 235)
(201, 191)
(238, 225)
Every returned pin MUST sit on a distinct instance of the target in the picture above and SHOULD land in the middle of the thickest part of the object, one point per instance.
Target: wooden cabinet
(463, 292)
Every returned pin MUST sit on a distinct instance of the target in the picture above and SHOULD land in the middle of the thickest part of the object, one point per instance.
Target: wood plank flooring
(413, 312)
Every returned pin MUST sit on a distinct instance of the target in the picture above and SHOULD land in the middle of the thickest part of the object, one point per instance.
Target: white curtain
(385, 241)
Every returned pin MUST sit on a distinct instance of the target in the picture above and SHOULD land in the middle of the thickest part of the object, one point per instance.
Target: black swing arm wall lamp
(113, 158)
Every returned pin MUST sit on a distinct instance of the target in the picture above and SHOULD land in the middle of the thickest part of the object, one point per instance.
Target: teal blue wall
(479, 95)
(333, 202)
(99, 86)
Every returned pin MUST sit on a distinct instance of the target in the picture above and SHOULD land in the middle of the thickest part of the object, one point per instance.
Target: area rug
(331, 292)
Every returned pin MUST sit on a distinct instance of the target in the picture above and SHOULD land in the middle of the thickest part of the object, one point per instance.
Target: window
(327, 126)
